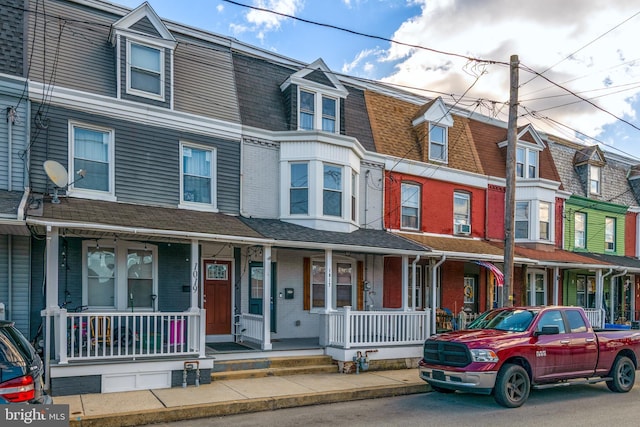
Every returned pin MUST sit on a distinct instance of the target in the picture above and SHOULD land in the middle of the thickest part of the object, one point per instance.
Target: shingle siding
(263, 162)
(11, 37)
(144, 25)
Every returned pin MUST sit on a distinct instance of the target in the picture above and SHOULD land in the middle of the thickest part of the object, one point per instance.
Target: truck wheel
(512, 386)
(623, 374)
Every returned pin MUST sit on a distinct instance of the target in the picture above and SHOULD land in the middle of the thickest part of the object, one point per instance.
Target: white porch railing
(595, 316)
(348, 328)
(109, 335)
(251, 327)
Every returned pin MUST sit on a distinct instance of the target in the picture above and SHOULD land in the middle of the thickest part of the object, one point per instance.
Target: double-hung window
(410, 195)
(317, 284)
(594, 179)
(354, 196)
(299, 189)
(579, 229)
(344, 285)
(526, 163)
(197, 170)
(92, 152)
(332, 191)
(544, 213)
(522, 220)
(610, 234)
(310, 102)
(437, 143)
(145, 70)
(461, 212)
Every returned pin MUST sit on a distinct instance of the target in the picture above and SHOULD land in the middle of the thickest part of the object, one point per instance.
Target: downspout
(11, 118)
(9, 312)
(413, 282)
(433, 292)
(611, 309)
(366, 196)
(600, 288)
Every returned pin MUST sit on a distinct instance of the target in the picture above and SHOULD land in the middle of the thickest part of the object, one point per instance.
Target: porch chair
(100, 330)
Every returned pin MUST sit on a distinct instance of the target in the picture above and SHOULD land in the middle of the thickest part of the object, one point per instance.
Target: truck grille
(446, 353)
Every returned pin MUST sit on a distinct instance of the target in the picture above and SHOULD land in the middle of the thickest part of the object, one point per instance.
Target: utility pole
(510, 196)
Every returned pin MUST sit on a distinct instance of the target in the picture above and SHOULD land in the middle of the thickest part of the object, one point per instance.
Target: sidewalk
(229, 397)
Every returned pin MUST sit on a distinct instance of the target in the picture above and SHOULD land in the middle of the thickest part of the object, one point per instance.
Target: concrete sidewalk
(229, 397)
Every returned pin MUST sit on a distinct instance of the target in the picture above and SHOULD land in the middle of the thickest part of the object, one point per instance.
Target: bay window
(544, 213)
(522, 220)
(299, 189)
(332, 191)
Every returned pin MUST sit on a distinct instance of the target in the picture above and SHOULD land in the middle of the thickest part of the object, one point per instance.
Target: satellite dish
(58, 175)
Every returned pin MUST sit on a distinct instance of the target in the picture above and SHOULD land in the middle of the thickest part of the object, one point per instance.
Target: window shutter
(306, 284)
(360, 286)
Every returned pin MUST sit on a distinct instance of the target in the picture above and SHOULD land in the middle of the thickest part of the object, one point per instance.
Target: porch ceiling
(104, 218)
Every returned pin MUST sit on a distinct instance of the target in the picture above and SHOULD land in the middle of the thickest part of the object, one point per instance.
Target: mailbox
(288, 293)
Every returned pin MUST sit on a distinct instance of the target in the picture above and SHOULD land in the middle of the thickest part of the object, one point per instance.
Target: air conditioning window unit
(463, 229)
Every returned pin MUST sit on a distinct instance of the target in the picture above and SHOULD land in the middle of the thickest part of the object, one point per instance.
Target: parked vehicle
(514, 349)
(21, 369)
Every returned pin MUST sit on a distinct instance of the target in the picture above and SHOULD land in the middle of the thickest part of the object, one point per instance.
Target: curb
(235, 407)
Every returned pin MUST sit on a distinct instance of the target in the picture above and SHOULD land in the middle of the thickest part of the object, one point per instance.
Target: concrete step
(273, 372)
(274, 366)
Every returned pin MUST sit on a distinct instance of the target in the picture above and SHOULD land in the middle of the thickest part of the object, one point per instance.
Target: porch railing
(595, 316)
(348, 328)
(109, 335)
(251, 327)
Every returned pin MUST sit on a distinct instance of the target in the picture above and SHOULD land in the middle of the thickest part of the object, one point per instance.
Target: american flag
(495, 270)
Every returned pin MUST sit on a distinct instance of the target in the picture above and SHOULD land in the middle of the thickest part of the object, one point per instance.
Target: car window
(576, 322)
(552, 318)
(8, 350)
(509, 320)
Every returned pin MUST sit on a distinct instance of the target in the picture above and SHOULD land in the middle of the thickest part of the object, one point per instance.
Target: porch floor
(283, 344)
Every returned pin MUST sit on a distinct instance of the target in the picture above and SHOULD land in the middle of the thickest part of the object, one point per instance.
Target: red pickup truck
(514, 349)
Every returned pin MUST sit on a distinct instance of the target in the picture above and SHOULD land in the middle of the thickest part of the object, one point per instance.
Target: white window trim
(584, 231)
(539, 231)
(467, 197)
(141, 93)
(334, 285)
(615, 237)
(525, 167)
(343, 195)
(213, 207)
(317, 112)
(529, 220)
(531, 274)
(85, 192)
(355, 193)
(120, 276)
(599, 180)
(419, 213)
(445, 143)
(289, 188)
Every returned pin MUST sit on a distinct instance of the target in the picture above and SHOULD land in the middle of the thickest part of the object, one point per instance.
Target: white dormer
(144, 55)
(318, 96)
(529, 144)
(439, 120)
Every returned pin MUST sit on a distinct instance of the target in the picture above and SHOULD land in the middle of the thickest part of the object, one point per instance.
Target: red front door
(217, 296)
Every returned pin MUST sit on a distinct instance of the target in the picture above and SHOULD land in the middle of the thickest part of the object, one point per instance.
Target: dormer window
(594, 179)
(526, 163)
(145, 74)
(310, 102)
(437, 143)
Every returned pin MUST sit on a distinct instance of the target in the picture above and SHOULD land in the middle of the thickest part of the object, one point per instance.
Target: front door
(217, 296)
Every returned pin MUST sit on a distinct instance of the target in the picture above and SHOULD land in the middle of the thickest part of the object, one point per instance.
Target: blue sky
(579, 45)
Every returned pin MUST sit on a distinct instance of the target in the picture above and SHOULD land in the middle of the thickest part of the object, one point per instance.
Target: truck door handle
(565, 342)
(589, 339)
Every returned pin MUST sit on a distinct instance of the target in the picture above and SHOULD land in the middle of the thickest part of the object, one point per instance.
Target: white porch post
(51, 295)
(195, 276)
(556, 284)
(599, 288)
(266, 299)
(197, 325)
(328, 280)
(405, 282)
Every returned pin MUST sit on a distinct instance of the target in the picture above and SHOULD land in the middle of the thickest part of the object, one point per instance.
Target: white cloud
(361, 56)
(265, 21)
(220, 8)
(541, 34)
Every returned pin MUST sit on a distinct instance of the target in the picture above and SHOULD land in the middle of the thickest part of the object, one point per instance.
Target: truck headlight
(484, 355)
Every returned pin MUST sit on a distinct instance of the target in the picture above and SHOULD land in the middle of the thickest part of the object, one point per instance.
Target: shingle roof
(280, 230)
(616, 260)
(9, 203)
(86, 212)
(454, 244)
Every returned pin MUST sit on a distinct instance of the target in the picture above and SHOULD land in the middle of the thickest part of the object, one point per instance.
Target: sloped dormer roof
(591, 155)
(318, 76)
(435, 112)
(143, 21)
(527, 135)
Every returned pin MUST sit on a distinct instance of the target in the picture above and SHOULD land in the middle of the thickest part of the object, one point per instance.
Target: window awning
(495, 270)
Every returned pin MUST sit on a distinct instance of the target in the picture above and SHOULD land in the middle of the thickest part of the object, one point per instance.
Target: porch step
(272, 367)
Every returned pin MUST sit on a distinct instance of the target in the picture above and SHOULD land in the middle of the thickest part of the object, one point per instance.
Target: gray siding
(147, 163)
(318, 76)
(11, 37)
(77, 54)
(145, 26)
(37, 282)
(204, 82)
(14, 257)
(19, 137)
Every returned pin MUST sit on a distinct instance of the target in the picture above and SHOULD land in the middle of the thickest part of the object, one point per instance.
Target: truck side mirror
(548, 330)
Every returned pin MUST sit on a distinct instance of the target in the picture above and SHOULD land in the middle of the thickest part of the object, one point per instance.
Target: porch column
(52, 309)
(328, 280)
(556, 284)
(405, 282)
(599, 288)
(266, 298)
(195, 276)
